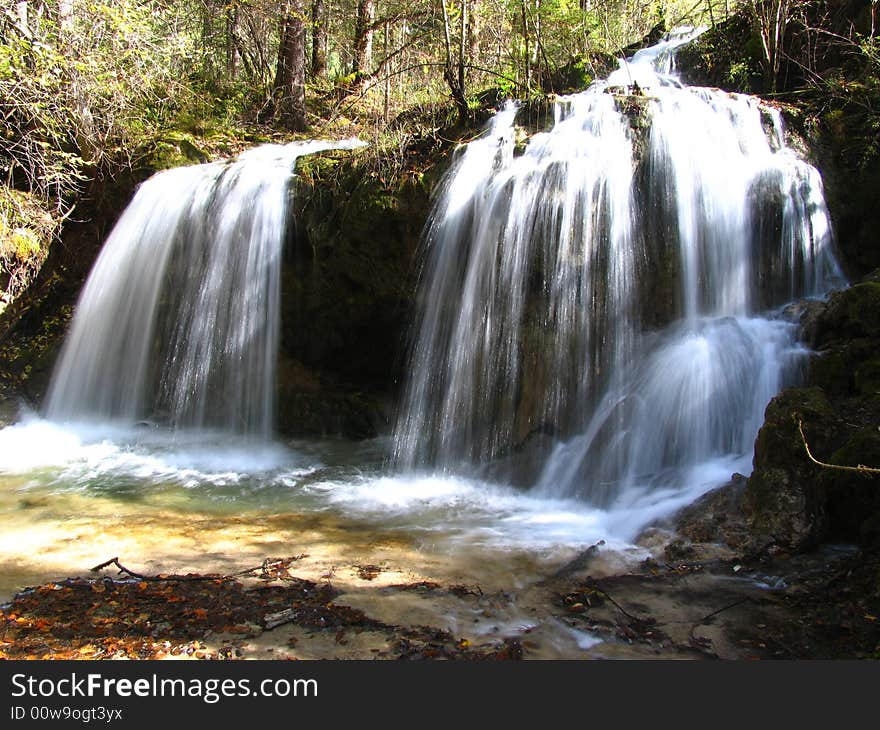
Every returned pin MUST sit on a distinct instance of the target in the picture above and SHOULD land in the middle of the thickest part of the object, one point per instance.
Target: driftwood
(271, 620)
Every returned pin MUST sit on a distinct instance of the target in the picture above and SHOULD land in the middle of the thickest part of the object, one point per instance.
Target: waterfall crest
(602, 300)
(179, 318)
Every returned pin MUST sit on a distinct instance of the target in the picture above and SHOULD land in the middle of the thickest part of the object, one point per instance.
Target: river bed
(72, 497)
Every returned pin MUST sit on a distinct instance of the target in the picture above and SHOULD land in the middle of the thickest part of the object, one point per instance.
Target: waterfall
(601, 301)
(179, 318)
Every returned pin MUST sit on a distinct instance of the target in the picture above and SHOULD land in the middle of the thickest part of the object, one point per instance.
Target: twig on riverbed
(703, 644)
(156, 578)
(705, 618)
(593, 586)
(270, 568)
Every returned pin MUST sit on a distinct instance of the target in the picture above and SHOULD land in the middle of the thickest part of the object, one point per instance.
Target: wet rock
(348, 414)
(348, 290)
(853, 313)
(784, 499)
(806, 313)
(847, 335)
(716, 517)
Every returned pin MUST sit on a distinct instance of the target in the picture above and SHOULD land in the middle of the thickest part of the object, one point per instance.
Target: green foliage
(26, 230)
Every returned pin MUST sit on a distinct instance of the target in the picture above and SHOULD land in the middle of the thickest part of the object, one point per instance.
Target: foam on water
(189, 468)
(76, 455)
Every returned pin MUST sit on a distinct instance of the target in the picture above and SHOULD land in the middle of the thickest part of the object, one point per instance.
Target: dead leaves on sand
(153, 617)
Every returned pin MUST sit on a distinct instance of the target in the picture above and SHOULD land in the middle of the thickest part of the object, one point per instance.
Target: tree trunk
(454, 80)
(474, 23)
(527, 71)
(773, 17)
(363, 38)
(386, 106)
(289, 89)
(319, 38)
(85, 133)
(462, 46)
(230, 12)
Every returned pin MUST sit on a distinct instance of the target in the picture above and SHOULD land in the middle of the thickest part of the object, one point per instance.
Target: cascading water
(179, 318)
(609, 287)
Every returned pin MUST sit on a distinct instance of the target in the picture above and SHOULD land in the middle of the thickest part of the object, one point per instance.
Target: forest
(576, 296)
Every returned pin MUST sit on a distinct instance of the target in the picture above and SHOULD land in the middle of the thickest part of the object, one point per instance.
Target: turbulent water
(178, 321)
(597, 312)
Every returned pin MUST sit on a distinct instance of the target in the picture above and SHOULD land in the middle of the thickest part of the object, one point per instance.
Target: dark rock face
(791, 502)
(348, 290)
(785, 497)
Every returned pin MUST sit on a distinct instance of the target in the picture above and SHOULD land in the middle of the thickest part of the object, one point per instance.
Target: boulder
(791, 501)
(785, 499)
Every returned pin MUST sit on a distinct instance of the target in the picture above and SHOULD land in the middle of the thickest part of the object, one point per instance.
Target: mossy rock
(176, 149)
(847, 333)
(717, 516)
(853, 497)
(349, 275)
(784, 500)
(851, 313)
(866, 378)
(579, 73)
(779, 440)
(832, 372)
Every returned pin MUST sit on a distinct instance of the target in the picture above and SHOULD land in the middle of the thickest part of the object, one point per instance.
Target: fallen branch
(122, 569)
(272, 568)
(861, 469)
(157, 578)
(271, 620)
(266, 569)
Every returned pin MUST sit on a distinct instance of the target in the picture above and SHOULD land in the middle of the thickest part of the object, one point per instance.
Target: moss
(851, 313)
(779, 440)
(867, 377)
(175, 149)
(831, 372)
(783, 498)
(853, 498)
